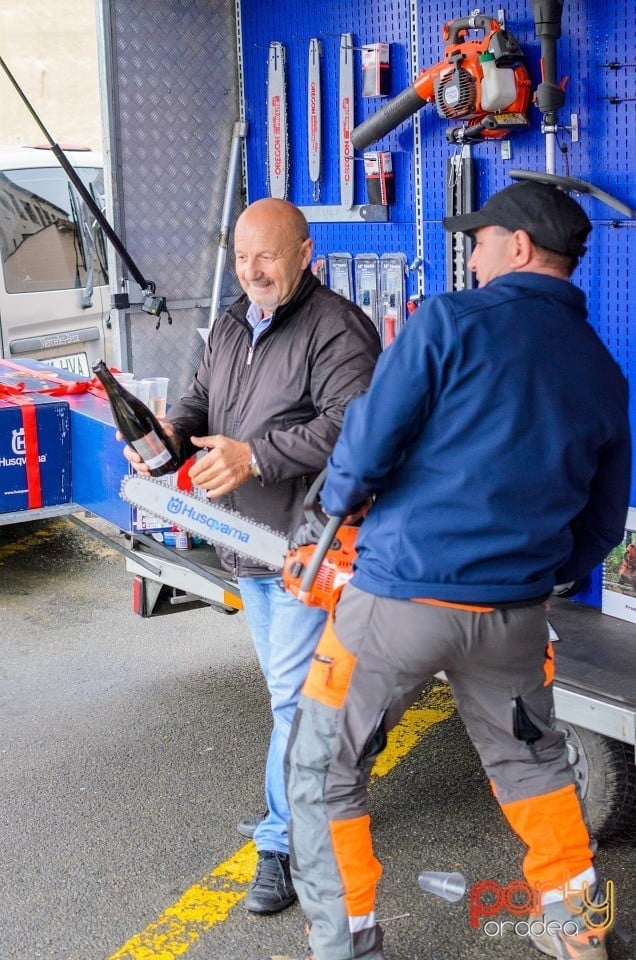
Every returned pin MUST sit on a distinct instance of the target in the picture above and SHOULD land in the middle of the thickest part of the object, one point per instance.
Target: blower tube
(390, 116)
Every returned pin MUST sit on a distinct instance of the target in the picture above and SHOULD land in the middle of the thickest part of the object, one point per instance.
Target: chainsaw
(457, 87)
(314, 572)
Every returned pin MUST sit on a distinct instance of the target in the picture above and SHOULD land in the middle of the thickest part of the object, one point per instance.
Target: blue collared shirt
(257, 321)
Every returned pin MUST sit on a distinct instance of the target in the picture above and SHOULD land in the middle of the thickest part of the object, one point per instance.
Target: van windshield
(48, 237)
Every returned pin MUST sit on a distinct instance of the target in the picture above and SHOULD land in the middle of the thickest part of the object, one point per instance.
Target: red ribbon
(58, 388)
(8, 393)
(184, 483)
(31, 446)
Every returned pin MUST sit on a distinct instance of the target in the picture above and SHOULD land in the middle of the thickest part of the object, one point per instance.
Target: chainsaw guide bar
(204, 519)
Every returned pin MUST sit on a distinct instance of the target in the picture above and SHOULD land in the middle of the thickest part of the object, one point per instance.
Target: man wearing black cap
(495, 440)
(550, 218)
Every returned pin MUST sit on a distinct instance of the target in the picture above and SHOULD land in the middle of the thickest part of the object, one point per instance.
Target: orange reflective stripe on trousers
(552, 827)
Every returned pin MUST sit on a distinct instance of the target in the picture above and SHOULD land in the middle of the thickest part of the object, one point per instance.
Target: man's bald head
(276, 213)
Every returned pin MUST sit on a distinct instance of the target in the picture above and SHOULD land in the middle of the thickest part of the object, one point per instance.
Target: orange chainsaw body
(333, 573)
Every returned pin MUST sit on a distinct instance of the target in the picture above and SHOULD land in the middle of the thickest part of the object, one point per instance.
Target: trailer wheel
(606, 774)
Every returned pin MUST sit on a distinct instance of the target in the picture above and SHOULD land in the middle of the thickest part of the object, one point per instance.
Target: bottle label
(152, 451)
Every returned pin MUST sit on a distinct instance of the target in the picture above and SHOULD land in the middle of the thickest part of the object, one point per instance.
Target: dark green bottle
(138, 425)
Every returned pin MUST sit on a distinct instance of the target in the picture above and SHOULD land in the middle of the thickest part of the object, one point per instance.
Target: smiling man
(264, 411)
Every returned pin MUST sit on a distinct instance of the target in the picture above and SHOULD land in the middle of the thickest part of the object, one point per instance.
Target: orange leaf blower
(481, 81)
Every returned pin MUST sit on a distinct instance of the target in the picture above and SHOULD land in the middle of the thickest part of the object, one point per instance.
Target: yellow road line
(199, 908)
(209, 901)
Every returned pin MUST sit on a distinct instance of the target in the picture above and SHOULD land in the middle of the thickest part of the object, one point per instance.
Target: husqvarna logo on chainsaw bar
(177, 507)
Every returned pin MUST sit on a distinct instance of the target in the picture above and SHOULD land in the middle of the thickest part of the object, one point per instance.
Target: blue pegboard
(294, 25)
(594, 52)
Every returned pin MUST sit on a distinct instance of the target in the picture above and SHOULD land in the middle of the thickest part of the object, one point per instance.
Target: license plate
(76, 363)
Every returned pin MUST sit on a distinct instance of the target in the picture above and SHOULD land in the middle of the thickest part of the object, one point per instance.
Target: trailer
(208, 107)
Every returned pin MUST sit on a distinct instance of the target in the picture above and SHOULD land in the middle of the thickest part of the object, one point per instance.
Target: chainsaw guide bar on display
(314, 130)
(277, 143)
(346, 121)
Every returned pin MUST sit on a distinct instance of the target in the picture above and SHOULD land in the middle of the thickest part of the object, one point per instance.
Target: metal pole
(239, 133)
(549, 96)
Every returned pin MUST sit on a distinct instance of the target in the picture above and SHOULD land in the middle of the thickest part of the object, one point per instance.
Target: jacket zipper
(248, 363)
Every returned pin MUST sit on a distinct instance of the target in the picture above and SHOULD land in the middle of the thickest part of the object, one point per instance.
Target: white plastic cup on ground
(158, 395)
(449, 886)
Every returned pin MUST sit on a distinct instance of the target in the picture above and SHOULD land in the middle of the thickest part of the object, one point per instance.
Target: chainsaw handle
(311, 504)
(387, 118)
(323, 545)
(476, 22)
(316, 516)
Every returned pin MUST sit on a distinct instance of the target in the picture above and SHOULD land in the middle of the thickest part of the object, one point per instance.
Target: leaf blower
(481, 81)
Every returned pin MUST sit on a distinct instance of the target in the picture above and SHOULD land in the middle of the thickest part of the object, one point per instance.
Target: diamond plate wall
(173, 95)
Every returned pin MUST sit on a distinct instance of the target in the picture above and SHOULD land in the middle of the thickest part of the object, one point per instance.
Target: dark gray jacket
(286, 396)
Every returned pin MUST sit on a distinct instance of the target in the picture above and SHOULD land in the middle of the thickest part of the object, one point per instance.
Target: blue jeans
(285, 633)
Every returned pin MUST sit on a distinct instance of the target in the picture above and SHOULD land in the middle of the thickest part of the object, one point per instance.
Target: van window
(48, 237)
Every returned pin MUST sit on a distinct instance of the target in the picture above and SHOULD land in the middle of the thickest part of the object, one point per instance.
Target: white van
(54, 297)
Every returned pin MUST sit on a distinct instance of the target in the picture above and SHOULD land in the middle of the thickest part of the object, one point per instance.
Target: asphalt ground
(129, 750)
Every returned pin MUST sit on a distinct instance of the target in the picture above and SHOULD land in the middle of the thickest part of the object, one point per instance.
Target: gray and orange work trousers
(370, 665)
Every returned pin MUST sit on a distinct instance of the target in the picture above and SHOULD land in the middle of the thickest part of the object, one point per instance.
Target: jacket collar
(305, 288)
(552, 286)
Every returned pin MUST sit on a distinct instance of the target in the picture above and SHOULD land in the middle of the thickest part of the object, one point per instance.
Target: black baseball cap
(550, 217)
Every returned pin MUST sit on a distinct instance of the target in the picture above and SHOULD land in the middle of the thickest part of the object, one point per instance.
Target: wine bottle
(138, 425)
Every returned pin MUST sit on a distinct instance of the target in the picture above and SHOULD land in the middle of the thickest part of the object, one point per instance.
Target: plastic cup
(140, 388)
(124, 378)
(158, 394)
(449, 886)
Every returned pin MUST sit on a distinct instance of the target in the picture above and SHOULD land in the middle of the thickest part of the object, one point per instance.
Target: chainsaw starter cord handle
(390, 116)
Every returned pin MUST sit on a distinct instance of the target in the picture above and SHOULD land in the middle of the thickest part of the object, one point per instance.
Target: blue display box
(97, 460)
(35, 453)
(66, 445)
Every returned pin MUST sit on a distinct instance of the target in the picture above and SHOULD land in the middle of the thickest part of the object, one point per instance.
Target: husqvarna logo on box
(18, 447)
(18, 444)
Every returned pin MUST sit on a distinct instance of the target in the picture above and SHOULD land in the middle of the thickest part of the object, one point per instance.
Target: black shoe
(272, 889)
(248, 825)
